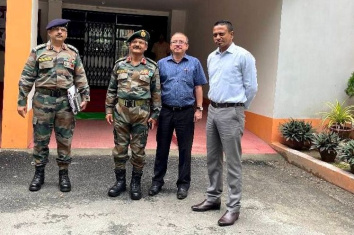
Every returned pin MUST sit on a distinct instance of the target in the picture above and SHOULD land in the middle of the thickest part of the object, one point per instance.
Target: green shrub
(325, 141)
(297, 130)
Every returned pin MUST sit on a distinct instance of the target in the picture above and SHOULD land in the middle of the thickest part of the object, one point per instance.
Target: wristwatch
(199, 108)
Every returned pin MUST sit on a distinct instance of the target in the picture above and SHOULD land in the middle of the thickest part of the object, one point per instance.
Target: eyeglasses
(63, 29)
(178, 42)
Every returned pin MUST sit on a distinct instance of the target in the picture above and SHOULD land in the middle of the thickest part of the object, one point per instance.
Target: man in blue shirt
(233, 85)
(182, 78)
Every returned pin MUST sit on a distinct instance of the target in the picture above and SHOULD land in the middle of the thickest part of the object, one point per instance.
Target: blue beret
(58, 22)
(143, 34)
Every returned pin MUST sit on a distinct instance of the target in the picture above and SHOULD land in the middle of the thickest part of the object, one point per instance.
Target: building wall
(256, 25)
(2, 53)
(316, 56)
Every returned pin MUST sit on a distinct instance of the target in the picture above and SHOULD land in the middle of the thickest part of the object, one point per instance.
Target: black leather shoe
(206, 206)
(182, 193)
(120, 185)
(38, 179)
(64, 181)
(135, 185)
(154, 189)
(228, 218)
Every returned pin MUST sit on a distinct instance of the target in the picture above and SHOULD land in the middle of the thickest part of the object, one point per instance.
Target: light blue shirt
(232, 76)
(178, 80)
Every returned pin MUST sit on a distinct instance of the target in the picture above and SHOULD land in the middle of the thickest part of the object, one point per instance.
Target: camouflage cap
(143, 34)
(58, 22)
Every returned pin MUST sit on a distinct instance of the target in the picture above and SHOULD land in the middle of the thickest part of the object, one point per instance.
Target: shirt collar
(49, 46)
(129, 59)
(170, 57)
(230, 49)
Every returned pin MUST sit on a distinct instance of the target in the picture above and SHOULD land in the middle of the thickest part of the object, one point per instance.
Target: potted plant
(339, 118)
(350, 86)
(296, 133)
(326, 143)
(346, 153)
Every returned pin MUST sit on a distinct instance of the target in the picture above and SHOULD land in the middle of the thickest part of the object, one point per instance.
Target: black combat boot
(38, 179)
(120, 185)
(64, 181)
(135, 187)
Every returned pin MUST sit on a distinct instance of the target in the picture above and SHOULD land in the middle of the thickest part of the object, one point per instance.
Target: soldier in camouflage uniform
(134, 97)
(52, 68)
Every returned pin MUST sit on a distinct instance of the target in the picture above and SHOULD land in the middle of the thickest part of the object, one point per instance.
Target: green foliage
(346, 152)
(297, 130)
(350, 87)
(338, 115)
(325, 141)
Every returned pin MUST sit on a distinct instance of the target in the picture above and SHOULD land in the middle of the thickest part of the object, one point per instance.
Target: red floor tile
(99, 134)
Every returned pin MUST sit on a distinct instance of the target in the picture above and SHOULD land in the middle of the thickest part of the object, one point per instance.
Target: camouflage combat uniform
(52, 73)
(132, 92)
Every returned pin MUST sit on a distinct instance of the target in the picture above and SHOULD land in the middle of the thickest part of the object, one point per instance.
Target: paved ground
(278, 198)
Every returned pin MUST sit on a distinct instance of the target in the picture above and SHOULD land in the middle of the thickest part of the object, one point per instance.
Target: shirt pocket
(46, 65)
(122, 79)
(144, 83)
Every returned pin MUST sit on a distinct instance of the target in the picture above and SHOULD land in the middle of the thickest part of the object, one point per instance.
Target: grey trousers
(224, 130)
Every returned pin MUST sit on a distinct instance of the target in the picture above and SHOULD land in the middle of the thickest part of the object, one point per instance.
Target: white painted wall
(256, 25)
(316, 56)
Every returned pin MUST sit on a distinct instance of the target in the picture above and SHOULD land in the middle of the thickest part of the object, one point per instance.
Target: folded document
(74, 99)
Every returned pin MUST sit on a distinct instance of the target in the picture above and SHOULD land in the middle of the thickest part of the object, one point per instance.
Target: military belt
(132, 103)
(52, 92)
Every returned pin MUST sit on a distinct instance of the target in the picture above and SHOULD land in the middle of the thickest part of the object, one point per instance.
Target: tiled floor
(99, 134)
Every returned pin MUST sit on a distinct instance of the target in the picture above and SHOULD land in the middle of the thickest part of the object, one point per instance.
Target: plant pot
(352, 168)
(294, 144)
(328, 156)
(343, 132)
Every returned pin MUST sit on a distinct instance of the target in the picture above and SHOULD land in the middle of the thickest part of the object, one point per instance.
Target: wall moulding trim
(115, 10)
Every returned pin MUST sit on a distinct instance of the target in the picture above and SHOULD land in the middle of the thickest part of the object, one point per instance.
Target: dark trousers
(182, 122)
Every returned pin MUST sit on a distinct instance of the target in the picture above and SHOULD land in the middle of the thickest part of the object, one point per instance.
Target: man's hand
(109, 118)
(22, 110)
(83, 105)
(152, 123)
(198, 115)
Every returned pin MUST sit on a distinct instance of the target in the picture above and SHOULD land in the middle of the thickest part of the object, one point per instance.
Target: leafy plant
(297, 130)
(338, 115)
(325, 141)
(350, 87)
(346, 152)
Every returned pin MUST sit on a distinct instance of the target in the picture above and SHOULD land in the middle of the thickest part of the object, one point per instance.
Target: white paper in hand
(74, 99)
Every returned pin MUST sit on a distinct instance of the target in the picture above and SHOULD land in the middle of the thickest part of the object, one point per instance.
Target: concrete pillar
(21, 36)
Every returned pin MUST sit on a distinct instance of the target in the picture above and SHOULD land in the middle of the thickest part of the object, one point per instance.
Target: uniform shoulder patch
(73, 48)
(120, 59)
(151, 61)
(40, 46)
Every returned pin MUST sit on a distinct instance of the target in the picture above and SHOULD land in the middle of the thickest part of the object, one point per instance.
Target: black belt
(133, 103)
(225, 105)
(174, 108)
(52, 92)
